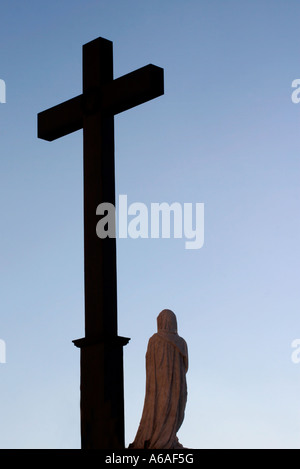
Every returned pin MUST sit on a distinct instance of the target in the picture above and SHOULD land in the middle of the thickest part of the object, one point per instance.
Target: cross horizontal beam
(133, 89)
(60, 120)
(119, 95)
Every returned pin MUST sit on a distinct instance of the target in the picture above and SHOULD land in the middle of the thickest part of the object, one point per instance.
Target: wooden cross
(101, 350)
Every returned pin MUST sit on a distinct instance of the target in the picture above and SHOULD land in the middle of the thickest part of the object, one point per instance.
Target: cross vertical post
(101, 386)
(99, 186)
(101, 350)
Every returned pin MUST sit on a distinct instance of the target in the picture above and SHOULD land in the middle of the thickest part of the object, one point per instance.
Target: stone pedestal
(102, 393)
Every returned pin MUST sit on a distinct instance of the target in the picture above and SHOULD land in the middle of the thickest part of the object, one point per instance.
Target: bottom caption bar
(135, 458)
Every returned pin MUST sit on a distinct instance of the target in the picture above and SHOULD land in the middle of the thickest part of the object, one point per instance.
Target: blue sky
(227, 134)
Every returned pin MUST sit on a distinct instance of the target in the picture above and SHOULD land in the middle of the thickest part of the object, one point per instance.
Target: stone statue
(166, 389)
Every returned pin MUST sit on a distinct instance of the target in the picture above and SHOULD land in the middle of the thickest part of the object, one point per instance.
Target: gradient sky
(227, 134)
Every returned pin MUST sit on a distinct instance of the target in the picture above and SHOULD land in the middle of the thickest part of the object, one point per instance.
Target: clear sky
(227, 134)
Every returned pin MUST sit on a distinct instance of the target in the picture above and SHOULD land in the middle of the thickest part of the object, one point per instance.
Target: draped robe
(166, 388)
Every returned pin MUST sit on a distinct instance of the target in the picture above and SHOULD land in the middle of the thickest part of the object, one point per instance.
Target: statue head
(166, 321)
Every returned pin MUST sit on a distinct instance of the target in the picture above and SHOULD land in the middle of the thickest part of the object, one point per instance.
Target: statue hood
(167, 330)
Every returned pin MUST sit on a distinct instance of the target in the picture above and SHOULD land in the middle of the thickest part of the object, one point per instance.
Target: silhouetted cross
(102, 395)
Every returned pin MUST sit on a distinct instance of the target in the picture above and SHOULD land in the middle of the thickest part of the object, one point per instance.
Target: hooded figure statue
(166, 389)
